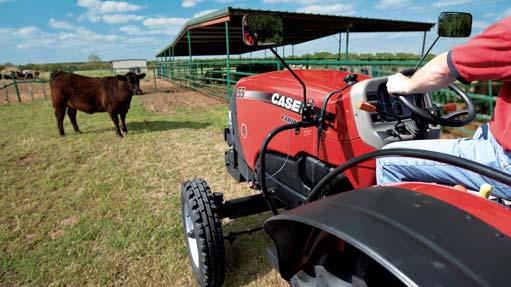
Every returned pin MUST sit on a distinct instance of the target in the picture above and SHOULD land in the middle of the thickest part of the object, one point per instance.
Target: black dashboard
(388, 104)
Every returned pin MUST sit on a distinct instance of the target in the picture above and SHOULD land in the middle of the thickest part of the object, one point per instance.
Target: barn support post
(228, 62)
(15, 82)
(163, 66)
(340, 42)
(190, 58)
(347, 56)
(423, 43)
(292, 51)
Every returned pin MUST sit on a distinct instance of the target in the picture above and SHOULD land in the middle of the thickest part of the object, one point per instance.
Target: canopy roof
(208, 32)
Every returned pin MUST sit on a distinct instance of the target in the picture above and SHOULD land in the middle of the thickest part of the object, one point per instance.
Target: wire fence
(16, 88)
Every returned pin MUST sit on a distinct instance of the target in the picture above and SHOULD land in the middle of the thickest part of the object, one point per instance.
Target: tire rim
(191, 236)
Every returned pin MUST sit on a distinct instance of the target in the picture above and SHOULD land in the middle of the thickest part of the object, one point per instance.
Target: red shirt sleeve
(485, 57)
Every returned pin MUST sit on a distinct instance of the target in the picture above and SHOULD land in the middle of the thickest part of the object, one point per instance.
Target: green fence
(217, 77)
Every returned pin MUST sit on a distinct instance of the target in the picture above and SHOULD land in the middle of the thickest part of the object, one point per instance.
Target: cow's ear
(121, 78)
(141, 76)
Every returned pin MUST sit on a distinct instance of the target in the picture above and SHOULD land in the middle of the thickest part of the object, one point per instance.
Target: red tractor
(307, 141)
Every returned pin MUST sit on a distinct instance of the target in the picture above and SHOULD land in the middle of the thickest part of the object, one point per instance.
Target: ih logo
(286, 102)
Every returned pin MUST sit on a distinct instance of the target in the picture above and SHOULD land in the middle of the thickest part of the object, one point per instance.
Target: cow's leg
(115, 119)
(123, 122)
(60, 113)
(72, 116)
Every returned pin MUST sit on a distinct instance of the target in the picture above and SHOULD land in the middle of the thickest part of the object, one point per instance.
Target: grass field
(91, 209)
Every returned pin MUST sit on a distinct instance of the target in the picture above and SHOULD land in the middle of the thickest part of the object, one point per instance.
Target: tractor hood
(319, 83)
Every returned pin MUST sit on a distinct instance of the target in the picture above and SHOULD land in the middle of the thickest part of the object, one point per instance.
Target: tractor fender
(422, 240)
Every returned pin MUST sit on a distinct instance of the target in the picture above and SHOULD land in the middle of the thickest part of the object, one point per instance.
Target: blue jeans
(482, 148)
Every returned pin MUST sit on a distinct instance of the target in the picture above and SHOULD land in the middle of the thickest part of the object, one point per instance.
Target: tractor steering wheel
(450, 120)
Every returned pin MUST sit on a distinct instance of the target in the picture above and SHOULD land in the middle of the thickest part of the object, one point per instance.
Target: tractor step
(241, 207)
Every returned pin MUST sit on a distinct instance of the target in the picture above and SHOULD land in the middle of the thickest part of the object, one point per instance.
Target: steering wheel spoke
(456, 114)
(433, 117)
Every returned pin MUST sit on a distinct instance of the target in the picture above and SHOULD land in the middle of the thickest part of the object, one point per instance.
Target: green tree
(94, 58)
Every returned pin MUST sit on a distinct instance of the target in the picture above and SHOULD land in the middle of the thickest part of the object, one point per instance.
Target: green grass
(91, 209)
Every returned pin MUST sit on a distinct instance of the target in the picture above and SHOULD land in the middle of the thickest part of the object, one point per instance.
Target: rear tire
(203, 232)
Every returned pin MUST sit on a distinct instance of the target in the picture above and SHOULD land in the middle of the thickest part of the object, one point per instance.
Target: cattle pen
(16, 89)
(218, 33)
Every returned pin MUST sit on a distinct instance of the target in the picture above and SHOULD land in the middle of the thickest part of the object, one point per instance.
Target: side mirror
(454, 24)
(263, 30)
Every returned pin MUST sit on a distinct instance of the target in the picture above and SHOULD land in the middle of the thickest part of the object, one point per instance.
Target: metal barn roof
(208, 33)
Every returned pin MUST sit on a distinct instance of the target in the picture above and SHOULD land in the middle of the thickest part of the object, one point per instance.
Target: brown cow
(93, 95)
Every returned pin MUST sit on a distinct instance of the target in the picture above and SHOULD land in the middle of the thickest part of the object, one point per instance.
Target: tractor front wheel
(203, 232)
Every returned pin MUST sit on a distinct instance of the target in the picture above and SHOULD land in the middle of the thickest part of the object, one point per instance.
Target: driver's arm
(486, 57)
(433, 76)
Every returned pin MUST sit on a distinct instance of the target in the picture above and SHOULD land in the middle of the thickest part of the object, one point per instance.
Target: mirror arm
(305, 111)
(427, 53)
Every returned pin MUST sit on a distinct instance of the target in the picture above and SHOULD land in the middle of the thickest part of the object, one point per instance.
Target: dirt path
(172, 97)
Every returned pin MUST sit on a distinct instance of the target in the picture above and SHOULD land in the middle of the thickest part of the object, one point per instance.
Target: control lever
(370, 108)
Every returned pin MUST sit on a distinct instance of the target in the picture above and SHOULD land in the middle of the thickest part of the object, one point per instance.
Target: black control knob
(351, 79)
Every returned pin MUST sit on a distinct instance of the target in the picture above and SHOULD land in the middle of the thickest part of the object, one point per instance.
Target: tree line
(105, 65)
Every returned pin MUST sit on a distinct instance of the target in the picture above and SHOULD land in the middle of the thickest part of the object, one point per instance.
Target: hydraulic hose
(262, 154)
(414, 153)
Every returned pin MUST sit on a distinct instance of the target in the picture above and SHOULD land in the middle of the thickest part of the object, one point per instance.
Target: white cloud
(27, 32)
(189, 3)
(72, 45)
(203, 12)
(337, 9)
(299, 2)
(61, 25)
(120, 18)
(449, 3)
(103, 7)
(4, 1)
(163, 22)
(131, 30)
(110, 12)
(391, 4)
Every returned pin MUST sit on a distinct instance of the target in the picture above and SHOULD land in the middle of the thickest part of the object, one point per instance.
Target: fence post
(31, 91)
(44, 90)
(154, 78)
(6, 92)
(16, 86)
(172, 64)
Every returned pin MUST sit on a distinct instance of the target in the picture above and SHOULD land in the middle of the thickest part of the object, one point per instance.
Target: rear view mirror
(454, 24)
(263, 30)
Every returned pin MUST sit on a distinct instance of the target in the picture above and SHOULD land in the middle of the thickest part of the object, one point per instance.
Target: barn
(129, 65)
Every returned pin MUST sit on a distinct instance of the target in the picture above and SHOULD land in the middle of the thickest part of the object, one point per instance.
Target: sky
(70, 30)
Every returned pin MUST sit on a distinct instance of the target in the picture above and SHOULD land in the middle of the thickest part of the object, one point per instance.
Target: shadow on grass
(246, 259)
(158, 126)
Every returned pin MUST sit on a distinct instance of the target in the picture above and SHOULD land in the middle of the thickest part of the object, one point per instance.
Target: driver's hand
(398, 84)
